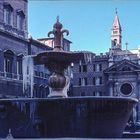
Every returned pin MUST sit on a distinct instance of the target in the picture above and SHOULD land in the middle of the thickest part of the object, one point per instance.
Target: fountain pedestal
(59, 85)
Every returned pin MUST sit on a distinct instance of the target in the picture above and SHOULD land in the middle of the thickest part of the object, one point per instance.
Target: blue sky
(89, 22)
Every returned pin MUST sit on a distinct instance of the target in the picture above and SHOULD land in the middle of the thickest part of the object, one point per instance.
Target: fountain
(60, 115)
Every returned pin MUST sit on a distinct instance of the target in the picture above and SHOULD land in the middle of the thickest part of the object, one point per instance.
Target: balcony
(13, 76)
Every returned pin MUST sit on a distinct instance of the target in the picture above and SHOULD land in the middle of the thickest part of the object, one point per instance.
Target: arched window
(115, 42)
(8, 14)
(8, 61)
(20, 20)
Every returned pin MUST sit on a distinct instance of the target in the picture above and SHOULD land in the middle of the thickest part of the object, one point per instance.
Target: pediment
(123, 66)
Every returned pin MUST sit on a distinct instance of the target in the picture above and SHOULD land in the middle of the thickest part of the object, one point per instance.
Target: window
(100, 80)
(115, 42)
(19, 64)
(79, 81)
(19, 67)
(97, 81)
(94, 93)
(97, 68)
(8, 61)
(80, 70)
(115, 32)
(93, 80)
(83, 94)
(8, 14)
(8, 65)
(126, 89)
(82, 81)
(97, 93)
(83, 68)
(100, 93)
(20, 20)
(100, 67)
(39, 74)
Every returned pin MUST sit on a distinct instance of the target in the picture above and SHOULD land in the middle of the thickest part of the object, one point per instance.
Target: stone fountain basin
(81, 117)
(64, 57)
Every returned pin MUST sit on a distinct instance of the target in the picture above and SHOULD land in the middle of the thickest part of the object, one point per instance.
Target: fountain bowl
(61, 57)
(79, 117)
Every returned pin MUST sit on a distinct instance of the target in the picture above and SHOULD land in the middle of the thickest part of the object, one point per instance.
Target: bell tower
(116, 33)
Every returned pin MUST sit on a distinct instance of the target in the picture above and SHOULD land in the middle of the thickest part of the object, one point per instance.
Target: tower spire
(116, 22)
(116, 11)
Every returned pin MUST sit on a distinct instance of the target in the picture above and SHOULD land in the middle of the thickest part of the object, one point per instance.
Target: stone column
(111, 88)
(116, 89)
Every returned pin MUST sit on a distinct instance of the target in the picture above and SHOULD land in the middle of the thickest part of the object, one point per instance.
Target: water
(28, 79)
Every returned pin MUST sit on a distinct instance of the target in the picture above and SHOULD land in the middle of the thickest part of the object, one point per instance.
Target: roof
(38, 43)
(118, 66)
(116, 22)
